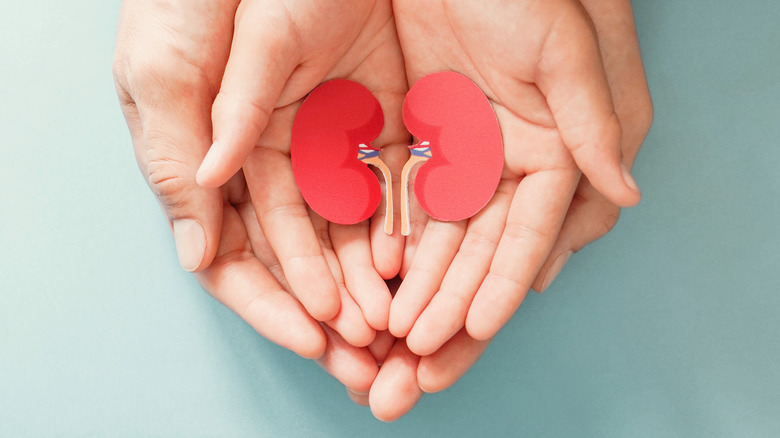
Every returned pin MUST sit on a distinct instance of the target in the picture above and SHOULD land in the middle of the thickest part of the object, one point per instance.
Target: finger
(395, 390)
(446, 313)
(238, 280)
(285, 220)
(535, 216)
(437, 248)
(381, 346)
(349, 322)
(443, 368)
(260, 245)
(352, 366)
(261, 59)
(572, 78)
(175, 130)
(617, 37)
(357, 397)
(590, 216)
(363, 282)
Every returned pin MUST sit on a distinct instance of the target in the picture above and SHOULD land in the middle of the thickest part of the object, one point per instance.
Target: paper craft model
(460, 150)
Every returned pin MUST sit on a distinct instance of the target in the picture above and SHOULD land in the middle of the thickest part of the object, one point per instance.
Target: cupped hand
(540, 65)
(194, 74)
(281, 51)
(562, 92)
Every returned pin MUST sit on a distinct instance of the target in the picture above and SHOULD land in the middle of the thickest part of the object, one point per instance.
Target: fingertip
(218, 167)
(480, 328)
(388, 268)
(420, 347)
(429, 378)
(442, 369)
(190, 238)
(395, 390)
(614, 182)
(327, 307)
(387, 254)
(362, 337)
(634, 195)
(379, 321)
(386, 408)
(358, 397)
(312, 346)
(397, 323)
(421, 343)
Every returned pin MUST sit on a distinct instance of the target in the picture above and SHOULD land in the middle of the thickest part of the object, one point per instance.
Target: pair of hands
(209, 88)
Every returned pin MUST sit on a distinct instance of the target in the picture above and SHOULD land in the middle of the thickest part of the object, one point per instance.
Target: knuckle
(156, 78)
(645, 116)
(606, 221)
(602, 137)
(518, 232)
(284, 213)
(248, 107)
(168, 181)
(579, 199)
(476, 242)
(638, 115)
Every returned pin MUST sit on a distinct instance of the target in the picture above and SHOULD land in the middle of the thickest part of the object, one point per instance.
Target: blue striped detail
(424, 152)
(364, 154)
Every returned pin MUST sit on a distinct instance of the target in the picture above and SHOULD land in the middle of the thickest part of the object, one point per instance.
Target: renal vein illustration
(460, 151)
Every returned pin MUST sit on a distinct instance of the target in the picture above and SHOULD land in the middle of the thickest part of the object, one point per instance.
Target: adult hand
(539, 63)
(277, 57)
(180, 66)
(589, 216)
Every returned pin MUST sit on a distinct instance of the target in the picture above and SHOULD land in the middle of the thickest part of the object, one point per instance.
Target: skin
(218, 83)
(548, 86)
(589, 216)
(217, 80)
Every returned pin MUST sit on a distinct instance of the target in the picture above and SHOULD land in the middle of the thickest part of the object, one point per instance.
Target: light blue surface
(668, 327)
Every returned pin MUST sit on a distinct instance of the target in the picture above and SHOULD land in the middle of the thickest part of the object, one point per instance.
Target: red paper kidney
(331, 125)
(451, 114)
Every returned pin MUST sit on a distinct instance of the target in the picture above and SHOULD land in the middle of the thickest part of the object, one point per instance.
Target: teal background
(667, 327)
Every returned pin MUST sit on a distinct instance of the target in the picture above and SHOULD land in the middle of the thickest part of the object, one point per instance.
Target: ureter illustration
(420, 154)
(371, 156)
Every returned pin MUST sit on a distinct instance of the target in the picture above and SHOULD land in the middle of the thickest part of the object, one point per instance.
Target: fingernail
(357, 393)
(628, 178)
(555, 269)
(190, 243)
(212, 156)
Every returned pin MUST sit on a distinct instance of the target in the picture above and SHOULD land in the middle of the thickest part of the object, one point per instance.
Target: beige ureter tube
(379, 164)
(407, 170)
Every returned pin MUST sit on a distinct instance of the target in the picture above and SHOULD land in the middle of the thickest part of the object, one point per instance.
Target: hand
(589, 216)
(276, 59)
(540, 66)
(171, 61)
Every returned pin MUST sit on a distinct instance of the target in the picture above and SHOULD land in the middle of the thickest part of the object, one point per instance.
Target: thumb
(573, 79)
(261, 60)
(174, 139)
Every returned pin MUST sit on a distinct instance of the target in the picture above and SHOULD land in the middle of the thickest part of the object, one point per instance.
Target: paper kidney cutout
(460, 149)
(330, 147)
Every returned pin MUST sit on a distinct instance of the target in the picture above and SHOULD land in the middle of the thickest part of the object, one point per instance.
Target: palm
(538, 181)
(313, 254)
(171, 64)
(475, 273)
